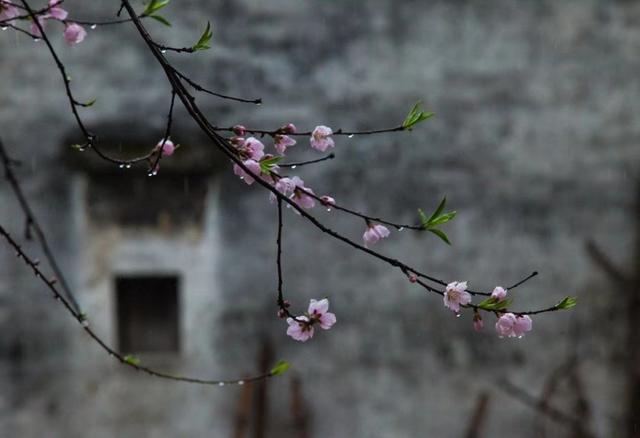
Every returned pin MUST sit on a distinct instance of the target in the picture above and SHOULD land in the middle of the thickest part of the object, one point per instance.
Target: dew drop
(4, 27)
(520, 337)
(401, 228)
(328, 209)
(93, 26)
(259, 103)
(121, 166)
(457, 315)
(294, 166)
(220, 383)
(163, 51)
(240, 382)
(35, 40)
(128, 166)
(350, 136)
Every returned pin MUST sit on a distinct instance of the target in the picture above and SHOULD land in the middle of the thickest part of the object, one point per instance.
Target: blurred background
(534, 143)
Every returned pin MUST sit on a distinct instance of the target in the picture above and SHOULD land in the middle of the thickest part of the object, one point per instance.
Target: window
(147, 314)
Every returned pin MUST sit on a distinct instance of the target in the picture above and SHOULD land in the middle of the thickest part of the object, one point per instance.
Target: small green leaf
(439, 209)
(567, 303)
(494, 304)
(205, 38)
(154, 6)
(161, 19)
(77, 147)
(441, 234)
(132, 360)
(268, 164)
(415, 116)
(89, 103)
(281, 367)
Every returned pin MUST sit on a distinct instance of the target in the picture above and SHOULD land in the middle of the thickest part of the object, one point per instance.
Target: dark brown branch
(82, 320)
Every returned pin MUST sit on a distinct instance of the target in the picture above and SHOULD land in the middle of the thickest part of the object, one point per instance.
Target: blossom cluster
(508, 325)
(251, 152)
(73, 33)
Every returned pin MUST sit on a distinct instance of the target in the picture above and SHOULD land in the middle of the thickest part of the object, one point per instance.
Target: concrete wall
(534, 143)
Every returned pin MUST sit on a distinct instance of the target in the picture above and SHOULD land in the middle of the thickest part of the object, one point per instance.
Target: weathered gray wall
(534, 143)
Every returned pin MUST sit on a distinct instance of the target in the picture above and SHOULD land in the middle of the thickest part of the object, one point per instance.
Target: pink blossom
(319, 312)
(499, 293)
(251, 148)
(289, 128)
(513, 326)
(327, 201)
(282, 142)
(286, 186)
(252, 165)
(167, 149)
(374, 233)
(301, 330)
(455, 295)
(413, 278)
(8, 11)
(74, 34)
(35, 30)
(301, 194)
(478, 324)
(57, 12)
(239, 130)
(320, 138)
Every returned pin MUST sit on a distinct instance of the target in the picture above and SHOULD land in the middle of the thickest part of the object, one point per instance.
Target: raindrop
(128, 166)
(85, 323)
(259, 103)
(93, 26)
(121, 166)
(294, 166)
(458, 315)
(4, 27)
(350, 135)
(520, 337)
(328, 209)
(401, 228)
(220, 383)
(163, 51)
(240, 382)
(35, 40)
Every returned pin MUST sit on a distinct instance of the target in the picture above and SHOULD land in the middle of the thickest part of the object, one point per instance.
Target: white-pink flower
(56, 12)
(321, 138)
(35, 30)
(252, 165)
(300, 330)
(513, 326)
(327, 201)
(499, 293)
(253, 148)
(455, 295)
(301, 194)
(478, 324)
(8, 11)
(282, 142)
(319, 312)
(374, 233)
(167, 149)
(74, 34)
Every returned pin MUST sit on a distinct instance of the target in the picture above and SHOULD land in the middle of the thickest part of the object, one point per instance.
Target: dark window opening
(147, 311)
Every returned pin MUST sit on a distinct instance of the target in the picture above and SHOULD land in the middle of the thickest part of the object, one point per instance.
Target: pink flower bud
(289, 128)
(74, 34)
(239, 130)
(499, 293)
(478, 324)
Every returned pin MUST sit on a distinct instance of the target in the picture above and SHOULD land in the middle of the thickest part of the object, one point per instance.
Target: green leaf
(78, 147)
(154, 6)
(205, 38)
(567, 303)
(132, 360)
(439, 209)
(442, 219)
(415, 116)
(281, 367)
(268, 164)
(441, 234)
(89, 103)
(161, 19)
(494, 304)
